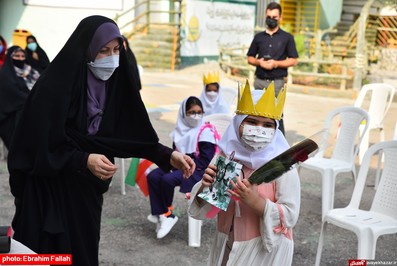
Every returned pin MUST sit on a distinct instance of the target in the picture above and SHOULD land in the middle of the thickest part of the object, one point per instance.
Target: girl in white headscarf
(212, 100)
(194, 138)
(257, 227)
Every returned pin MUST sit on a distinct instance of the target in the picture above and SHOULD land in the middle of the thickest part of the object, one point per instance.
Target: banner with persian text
(208, 25)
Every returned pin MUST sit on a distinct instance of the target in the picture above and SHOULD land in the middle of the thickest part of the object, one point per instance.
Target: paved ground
(127, 238)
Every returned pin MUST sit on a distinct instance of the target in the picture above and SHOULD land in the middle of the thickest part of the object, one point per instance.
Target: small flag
(137, 174)
(131, 174)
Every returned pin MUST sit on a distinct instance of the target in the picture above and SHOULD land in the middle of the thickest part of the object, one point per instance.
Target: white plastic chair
(221, 122)
(381, 219)
(344, 152)
(380, 159)
(230, 96)
(381, 96)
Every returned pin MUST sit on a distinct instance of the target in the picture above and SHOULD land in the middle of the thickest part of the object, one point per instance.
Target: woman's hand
(35, 56)
(248, 193)
(101, 166)
(183, 162)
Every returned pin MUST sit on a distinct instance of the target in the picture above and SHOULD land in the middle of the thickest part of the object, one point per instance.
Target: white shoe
(166, 225)
(153, 218)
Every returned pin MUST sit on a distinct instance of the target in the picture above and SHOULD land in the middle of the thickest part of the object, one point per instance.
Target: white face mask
(194, 120)
(211, 95)
(256, 137)
(103, 68)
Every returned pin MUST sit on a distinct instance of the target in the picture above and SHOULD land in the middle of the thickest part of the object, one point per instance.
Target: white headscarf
(231, 141)
(185, 136)
(219, 106)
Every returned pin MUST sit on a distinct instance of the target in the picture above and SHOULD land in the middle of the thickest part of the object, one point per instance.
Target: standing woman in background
(16, 80)
(3, 49)
(83, 111)
(35, 55)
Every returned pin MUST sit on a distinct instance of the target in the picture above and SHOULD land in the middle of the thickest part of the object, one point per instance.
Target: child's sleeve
(281, 216)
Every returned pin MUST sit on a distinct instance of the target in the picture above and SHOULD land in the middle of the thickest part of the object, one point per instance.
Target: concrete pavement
(127, 238)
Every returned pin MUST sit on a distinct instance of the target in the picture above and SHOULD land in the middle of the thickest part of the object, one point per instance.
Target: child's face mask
(211, 95)
(257, 137)
(194, 120)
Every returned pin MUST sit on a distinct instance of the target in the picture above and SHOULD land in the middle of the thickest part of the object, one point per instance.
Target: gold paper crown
(267, 106)
(211, 78)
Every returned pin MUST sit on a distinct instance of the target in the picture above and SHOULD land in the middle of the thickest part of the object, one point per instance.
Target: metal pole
(361, 48)
(148, 14)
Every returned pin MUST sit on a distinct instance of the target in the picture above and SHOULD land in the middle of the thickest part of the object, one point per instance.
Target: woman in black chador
(81, 113)
(35, 55)
(16, 80)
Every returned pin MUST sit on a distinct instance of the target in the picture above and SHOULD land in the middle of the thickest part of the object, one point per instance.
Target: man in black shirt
(272, 52)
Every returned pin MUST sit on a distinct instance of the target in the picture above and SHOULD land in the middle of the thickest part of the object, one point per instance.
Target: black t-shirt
(279, 46)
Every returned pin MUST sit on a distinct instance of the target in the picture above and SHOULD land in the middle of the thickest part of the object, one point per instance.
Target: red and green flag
(137, 174)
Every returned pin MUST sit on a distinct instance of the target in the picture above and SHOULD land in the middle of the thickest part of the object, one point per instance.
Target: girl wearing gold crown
(256, 228)
(211, 96)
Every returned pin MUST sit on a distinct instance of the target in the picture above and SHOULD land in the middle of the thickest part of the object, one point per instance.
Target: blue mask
(32, 46)
(1, 48)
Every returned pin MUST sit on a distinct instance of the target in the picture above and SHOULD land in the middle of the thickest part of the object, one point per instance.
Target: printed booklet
(217, 194)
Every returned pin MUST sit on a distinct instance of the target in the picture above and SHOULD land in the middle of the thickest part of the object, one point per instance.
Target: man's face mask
(257, 137)
(103, 68)
(271, 23)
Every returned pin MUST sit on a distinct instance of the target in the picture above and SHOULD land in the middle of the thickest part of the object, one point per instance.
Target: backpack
(216, 135)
